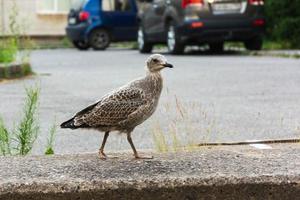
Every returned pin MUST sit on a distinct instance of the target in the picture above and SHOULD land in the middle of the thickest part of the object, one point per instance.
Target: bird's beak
(168, 65)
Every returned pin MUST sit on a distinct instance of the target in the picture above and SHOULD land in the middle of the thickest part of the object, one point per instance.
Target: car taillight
(256, 2)
(197, 24)
(185, 3)
(259, 22)
(83, 16)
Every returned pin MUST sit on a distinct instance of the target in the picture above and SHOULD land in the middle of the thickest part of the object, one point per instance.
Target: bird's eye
(155, 60)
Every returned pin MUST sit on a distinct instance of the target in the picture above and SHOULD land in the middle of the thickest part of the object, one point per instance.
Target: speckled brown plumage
(125, 108)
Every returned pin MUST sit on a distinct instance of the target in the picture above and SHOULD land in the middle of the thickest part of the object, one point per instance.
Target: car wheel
(254, 44)
(81, 45)
(99, 39)
(216, 47)
(143, 45)
(174, 45)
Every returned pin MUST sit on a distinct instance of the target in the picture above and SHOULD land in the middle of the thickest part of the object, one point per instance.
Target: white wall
(35, 24)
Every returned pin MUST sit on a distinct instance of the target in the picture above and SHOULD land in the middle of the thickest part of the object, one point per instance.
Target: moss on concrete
(15, 70)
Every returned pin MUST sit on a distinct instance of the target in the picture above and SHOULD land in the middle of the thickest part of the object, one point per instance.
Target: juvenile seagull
(125, 108)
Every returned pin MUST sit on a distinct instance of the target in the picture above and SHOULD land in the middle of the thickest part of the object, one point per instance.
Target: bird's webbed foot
(102, 155)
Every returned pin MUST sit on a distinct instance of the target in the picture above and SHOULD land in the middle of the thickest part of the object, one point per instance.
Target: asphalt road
(206, 98)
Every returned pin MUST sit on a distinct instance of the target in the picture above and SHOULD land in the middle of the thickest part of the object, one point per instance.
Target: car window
(116, 5)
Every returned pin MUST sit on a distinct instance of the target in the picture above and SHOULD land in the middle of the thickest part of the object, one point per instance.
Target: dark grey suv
(178, 23)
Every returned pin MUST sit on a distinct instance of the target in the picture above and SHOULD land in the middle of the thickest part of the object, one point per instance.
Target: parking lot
(210, 98)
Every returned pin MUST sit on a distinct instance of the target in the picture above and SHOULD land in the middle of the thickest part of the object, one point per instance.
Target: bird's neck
(156, 82)
(154, 75)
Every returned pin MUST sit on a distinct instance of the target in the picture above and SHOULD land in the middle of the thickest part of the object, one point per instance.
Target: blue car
(97, 23)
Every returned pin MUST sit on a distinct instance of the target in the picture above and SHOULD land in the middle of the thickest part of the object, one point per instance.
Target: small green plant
(28, 128)
(50, 141)
(20, 140)
(4, 139)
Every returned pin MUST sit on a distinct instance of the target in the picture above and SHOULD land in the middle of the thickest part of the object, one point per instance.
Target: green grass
(276, 45)
(189, 126)
(267, 45)
(17, 39)
(66, 43)
(9, 46)
(181, 133)
(62, 43)
(8, 50)
(159, 138)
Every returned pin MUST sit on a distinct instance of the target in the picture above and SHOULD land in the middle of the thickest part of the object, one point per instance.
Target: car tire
(81, 45)
(216, 47)
(99, 39)
(254, 44)
(143, 45)
(175, 46)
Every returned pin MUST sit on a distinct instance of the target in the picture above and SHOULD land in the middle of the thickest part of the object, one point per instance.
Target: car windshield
(77, 4)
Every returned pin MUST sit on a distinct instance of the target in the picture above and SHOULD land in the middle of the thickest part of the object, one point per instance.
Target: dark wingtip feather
(68, 124)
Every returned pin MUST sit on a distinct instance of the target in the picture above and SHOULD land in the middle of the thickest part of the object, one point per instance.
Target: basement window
(54, 6)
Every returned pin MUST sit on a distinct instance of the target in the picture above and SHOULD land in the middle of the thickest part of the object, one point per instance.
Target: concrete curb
(239, 172)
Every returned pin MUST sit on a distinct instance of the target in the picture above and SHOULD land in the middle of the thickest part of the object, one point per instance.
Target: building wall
(34, 22)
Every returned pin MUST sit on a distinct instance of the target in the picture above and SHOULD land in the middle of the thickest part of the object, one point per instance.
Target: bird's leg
(101, 150)
(136, 155)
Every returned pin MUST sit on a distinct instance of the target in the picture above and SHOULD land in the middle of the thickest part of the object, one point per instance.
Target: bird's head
(157, 62)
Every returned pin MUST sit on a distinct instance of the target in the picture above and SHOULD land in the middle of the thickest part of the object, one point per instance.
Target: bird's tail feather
(68, 124)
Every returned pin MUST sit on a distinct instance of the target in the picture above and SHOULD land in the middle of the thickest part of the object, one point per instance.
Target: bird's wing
(111, 109)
